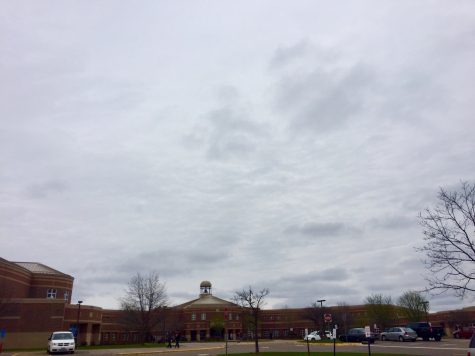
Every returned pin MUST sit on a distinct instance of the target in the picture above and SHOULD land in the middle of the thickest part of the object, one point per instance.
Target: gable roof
(206, 300)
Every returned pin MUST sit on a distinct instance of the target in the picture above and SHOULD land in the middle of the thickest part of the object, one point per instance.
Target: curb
(170, 351)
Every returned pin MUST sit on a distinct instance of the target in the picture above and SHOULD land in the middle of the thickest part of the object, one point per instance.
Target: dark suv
(357, 335)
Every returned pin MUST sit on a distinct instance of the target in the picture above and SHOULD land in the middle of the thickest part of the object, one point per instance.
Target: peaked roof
(206, 300)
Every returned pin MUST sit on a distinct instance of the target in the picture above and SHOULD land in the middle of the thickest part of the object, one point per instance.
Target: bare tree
(343, 317)
(449, 235)
(254, 301)
(380, 310)
(315, 313)
(413, 305)
(143, 303)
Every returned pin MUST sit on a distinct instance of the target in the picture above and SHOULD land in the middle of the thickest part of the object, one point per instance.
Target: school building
(35, 300)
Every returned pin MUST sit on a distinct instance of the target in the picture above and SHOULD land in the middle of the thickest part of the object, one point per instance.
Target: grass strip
(323, 353)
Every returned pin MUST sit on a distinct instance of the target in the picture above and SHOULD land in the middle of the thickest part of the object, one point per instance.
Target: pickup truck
(426, 331)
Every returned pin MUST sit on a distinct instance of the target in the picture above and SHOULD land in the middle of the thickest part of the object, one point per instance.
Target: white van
(61, 341)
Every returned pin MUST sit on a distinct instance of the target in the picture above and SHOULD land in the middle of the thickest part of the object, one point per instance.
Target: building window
(237, 316)
(66, 295)
(105, 337)
(203, 316)
(193, 316)
(113, 337)
(230, 316)
(51, 293)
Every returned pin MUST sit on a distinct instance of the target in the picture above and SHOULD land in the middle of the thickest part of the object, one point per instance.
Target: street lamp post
(426, 309)
(322, 331)
(77, 324)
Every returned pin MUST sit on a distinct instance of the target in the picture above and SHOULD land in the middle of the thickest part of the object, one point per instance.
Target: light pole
(77, 324)
(322, 331)
(425, 303)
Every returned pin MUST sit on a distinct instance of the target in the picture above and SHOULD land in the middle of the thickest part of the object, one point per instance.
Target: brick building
(36, 299)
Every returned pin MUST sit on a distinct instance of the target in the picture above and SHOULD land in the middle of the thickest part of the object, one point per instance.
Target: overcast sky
(280, 144)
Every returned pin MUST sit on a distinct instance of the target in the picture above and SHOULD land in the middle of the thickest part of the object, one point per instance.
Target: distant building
(36, 299)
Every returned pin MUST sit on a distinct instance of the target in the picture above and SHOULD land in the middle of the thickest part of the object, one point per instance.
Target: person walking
(177, 340)
(169, 340)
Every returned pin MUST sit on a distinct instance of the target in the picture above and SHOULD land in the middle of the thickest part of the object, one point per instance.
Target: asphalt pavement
(447, 347)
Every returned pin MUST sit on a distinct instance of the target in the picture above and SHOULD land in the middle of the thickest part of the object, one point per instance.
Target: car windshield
(409, 330)
(62, 336)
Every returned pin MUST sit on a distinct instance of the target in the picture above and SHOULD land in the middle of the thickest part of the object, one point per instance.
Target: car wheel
(383, 338)
(401, 339)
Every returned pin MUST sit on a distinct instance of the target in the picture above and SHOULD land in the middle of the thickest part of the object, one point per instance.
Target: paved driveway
(449, 347)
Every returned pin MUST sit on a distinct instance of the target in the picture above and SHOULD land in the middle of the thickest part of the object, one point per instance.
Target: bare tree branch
(414, 306)
(254, 301)
(143, 303)
(449, 235)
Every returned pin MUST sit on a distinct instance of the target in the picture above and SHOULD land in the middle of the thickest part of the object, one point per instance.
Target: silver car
(399, 334)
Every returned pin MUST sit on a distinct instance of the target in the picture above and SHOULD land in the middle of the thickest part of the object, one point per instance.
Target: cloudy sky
(279, 144)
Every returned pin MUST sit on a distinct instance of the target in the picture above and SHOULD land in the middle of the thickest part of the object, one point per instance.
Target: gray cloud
(394, 222)
(42, 190)
(317, 229)
(322, 100)
(228, 133)
(184, 143)
(287, 55)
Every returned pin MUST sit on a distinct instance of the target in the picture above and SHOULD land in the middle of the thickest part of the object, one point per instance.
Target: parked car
(471, 346)
(61, 341)
(329, 334)
(426, 331)
(357, 335)
(463, 332)
(399, 334)
(313, 336)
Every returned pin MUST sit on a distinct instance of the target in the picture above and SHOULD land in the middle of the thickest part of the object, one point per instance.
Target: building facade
(35, 300)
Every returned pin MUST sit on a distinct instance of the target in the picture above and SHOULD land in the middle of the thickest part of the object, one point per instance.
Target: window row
(228, 316)
(52, 292)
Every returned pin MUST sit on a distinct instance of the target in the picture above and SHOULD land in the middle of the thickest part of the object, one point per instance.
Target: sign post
(334, 339)
(367, 331)
(328, 319)
(308, 345)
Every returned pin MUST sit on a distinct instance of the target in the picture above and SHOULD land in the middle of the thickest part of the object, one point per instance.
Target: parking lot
(447, 347)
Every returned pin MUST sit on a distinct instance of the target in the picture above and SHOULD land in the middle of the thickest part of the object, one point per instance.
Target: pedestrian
(177, 341)
(169, 340)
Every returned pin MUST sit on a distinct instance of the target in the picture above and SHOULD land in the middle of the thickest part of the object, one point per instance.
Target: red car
(464, 332)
